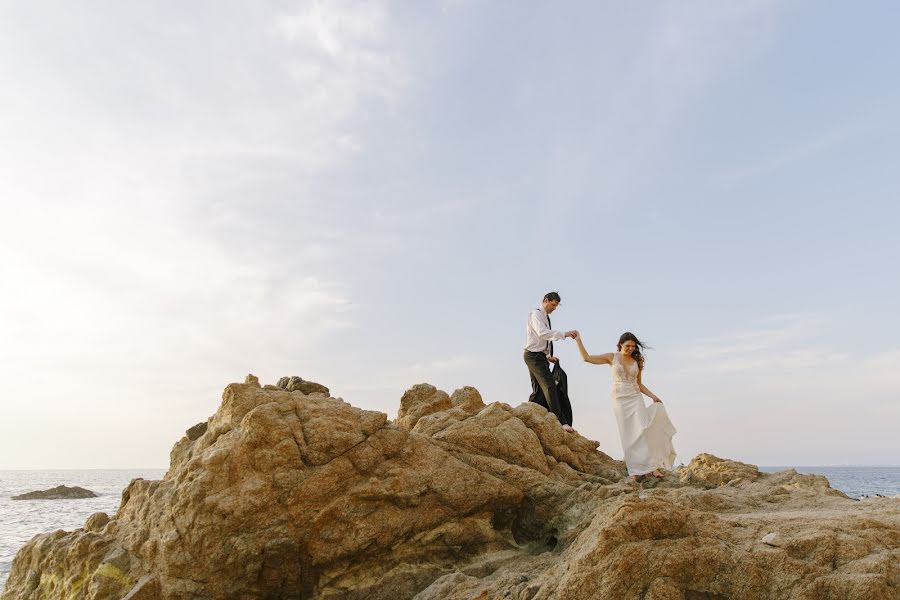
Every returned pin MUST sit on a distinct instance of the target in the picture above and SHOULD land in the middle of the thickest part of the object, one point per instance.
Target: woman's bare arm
(596, 359)
(645, 390)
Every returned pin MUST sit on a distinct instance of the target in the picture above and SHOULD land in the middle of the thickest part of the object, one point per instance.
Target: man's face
(550, 305)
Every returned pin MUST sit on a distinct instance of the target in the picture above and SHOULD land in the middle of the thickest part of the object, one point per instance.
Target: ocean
(854, 481)
(20, 520)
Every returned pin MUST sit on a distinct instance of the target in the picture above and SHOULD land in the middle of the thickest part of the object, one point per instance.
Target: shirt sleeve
(544, 332)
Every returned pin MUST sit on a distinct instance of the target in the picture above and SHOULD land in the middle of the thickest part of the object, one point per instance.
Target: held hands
(572, 334)
(553, 359)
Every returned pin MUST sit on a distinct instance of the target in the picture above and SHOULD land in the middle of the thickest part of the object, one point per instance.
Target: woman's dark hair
(640, 346)
(551, 296)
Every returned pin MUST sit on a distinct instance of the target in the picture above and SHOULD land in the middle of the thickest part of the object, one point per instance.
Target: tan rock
(96, 521)
(419, 401)
(467, 398)
(60, 492)
(495, 431)
(288, 494)
(711, 471)
(196, 431)
(298, 384)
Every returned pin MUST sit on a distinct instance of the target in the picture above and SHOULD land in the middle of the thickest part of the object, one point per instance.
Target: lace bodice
(622, 373)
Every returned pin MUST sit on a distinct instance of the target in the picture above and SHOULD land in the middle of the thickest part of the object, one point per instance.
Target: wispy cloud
(791, 391)
(161, 232)
(641, 94)
(775, 342)
(339, 57)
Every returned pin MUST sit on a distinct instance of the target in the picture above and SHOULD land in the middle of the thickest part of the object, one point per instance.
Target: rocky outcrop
(711, 471)
(296, 384)
(60, 492)
(287, 493)
(421, 401)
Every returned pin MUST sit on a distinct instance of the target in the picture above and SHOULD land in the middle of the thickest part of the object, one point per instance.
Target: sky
(374, 194)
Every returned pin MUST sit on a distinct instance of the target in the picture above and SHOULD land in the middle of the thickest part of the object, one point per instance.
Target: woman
(646, 431)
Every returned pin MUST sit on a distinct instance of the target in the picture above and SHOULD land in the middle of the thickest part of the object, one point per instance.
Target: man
(539, 338)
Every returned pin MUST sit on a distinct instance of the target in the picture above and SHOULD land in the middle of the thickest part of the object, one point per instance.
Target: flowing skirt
(646, 431)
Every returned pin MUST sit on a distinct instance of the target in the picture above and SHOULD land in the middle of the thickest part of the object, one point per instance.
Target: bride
(646, 431)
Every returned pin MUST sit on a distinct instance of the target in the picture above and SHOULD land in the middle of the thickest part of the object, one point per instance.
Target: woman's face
(628, 347)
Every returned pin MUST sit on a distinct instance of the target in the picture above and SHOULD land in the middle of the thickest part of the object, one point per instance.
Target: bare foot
(568, 428)
(659, 473)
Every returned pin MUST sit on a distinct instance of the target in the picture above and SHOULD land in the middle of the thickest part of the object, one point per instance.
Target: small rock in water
(60, 492)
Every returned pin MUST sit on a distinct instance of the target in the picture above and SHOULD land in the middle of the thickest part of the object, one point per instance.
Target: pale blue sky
(373, 195)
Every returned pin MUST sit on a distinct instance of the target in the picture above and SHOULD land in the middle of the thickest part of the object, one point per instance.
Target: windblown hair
(640, 346)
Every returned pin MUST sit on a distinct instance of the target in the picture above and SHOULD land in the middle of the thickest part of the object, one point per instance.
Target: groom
(539, 338)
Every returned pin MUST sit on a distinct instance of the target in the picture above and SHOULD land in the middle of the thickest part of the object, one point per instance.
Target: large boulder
(286, 493)
(295, 384)
(419, 401)
(711, 471)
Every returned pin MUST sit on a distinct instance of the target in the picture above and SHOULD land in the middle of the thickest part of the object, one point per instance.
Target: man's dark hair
(552, 296)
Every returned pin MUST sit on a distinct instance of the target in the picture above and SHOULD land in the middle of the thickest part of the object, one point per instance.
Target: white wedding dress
(646, 431)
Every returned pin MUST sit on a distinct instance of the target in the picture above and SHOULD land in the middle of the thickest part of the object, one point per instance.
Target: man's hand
(572, 334)
(552, 359)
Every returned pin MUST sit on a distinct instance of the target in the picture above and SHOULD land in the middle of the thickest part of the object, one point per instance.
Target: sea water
(20, 520)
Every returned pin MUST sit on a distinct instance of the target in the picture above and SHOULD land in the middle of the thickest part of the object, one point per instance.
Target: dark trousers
(543, 388)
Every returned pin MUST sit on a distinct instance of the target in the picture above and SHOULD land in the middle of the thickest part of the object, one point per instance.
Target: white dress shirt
(538, 333)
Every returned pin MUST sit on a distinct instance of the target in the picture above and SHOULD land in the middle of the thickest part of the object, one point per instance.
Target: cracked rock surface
(288, 492)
